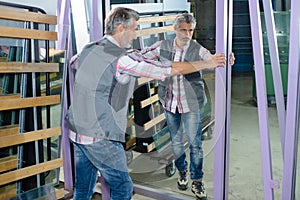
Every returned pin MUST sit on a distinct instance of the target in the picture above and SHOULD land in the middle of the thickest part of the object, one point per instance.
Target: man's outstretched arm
(217, 60)
(136, 64)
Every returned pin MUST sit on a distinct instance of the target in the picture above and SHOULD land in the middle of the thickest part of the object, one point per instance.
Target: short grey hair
(184, 17)
(118, 16)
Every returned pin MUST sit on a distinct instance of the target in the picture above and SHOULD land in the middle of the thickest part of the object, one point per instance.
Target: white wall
(80, 23)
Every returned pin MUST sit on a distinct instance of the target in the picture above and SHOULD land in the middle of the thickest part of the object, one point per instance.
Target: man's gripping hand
(217, 60)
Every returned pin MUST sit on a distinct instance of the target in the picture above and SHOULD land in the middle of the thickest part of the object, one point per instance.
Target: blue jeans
(193, 129)
(109, 158)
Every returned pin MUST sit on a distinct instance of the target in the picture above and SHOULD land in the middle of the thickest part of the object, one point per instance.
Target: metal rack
(25, 133)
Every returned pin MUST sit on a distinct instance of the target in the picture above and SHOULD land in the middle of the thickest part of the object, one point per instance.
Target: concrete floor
(245, 180)
(245, 173)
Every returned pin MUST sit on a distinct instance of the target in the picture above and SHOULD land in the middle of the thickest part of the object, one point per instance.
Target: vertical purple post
(105, 190)
(275, 64)
(228, 95)
(97, 32)
(291, 131)
(63, 14)
(222, 100)
(96, 23)
(67, 160)
(261, 98)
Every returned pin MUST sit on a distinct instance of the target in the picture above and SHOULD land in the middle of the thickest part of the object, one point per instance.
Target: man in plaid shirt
(182, 97)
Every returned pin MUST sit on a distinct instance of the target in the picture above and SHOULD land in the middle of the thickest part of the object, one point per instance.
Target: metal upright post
(48, 91)
(222, 99)
(275, 64)
(262, 105)
(97, 32)
(292, 114)
(35, 120)
(22, 114)
(65, 42)
(96, 21)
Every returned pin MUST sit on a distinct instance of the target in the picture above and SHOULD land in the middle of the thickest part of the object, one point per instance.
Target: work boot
(182, 181)
(199, 190)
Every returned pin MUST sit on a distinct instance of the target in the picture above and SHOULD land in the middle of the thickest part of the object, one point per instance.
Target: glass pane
(156, 169)
(282, 22)
(45, 192)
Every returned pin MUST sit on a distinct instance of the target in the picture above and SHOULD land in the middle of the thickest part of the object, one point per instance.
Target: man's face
(184, 33)
(128, 35)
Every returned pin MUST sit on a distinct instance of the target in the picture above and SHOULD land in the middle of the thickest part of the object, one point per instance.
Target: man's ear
(120, 28)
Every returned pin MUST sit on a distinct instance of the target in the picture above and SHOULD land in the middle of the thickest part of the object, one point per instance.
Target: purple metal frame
(272, 41)
(292, 132)
(256, 32)
(63, 15)
(105, 190)
(97, 24)
(95, 34)
(156, 194)
(67, 159)
(222, 99)
(63, 25)
(288, 131)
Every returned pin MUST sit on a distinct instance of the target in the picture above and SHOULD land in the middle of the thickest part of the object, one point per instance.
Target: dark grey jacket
(193, 83)
(100, 102)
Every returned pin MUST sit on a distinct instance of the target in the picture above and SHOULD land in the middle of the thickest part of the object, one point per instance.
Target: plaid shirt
(176, 95)
(143, 63)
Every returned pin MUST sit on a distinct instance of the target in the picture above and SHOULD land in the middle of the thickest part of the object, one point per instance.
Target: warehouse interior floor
(245, 169)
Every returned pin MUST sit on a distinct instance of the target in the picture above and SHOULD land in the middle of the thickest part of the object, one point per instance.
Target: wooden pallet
(9, 135)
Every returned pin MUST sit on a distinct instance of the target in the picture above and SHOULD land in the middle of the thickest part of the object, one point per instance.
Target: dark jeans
(109, 158)
(193, 129)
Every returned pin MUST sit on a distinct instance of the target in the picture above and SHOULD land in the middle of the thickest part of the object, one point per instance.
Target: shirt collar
(185, 47)
(111, 39)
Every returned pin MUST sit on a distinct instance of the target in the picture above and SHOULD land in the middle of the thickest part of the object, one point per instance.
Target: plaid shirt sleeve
(145, 63)
(204, 53)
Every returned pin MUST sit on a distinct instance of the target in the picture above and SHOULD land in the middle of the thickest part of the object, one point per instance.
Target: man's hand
(217, 60)
(232, 58)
